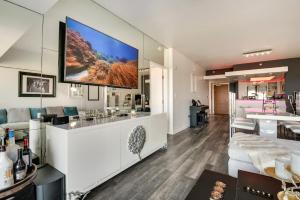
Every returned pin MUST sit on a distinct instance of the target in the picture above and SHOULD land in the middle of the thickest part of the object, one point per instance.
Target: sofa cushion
(18, 115)
(70, 111)
(59, 111)
(35, 111)
(3, 116)
(237, 153)
(290, 144)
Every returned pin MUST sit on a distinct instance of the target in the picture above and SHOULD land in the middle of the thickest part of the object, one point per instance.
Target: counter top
(273, 116)
(84, 123)
(267, 111)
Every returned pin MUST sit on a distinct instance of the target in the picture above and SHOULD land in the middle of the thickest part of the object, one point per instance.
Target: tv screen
(94, 58)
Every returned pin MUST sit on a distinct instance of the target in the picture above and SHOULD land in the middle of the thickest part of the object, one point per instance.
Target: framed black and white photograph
(36, 85)
(93, 93)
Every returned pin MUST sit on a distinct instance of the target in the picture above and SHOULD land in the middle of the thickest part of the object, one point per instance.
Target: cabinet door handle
(11, 198)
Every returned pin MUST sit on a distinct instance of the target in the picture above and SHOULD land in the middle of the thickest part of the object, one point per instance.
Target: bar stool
(281, 125)
(287, 125)
(295, 130)
(247, 125)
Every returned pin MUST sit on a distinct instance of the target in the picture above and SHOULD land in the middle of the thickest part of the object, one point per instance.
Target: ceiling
(215, 33)
(40, 6)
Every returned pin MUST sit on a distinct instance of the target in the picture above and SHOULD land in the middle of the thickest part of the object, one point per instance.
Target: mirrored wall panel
(21, 85)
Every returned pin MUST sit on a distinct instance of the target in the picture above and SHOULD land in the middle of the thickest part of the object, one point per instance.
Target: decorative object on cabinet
(36, 85)
(75, 91)
(93, 93)
(127, 100)
(137, 140)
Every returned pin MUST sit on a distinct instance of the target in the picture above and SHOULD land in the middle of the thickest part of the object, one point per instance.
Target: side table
(248, 186)
(206, 182)
(257, 182)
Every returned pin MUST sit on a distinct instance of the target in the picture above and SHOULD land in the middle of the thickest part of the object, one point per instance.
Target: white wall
(25, 51)
(156, 88)
(183, 70)
(168, 63)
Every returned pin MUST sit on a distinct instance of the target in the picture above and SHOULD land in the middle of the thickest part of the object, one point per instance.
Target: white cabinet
(157, 134)
(94, 154)
(90, 155)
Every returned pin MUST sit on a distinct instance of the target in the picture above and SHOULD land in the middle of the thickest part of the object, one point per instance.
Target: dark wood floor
(170, 174)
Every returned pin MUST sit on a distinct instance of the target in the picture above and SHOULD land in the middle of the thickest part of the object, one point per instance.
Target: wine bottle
(12, 148)
(20, 167)
(6, 138)
(6, 169)
(27, 154)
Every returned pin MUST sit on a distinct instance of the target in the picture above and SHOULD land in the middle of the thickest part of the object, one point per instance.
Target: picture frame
(36, 85)
(93, 93)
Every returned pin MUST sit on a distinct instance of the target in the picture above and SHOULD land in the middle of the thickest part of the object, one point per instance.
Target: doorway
(221, 104)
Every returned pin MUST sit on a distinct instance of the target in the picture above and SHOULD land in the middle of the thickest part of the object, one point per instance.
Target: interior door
(221, 99)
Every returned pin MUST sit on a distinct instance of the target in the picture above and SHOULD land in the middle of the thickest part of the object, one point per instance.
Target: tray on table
(19, 185)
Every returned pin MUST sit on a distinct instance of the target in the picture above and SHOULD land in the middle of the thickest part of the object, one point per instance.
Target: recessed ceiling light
(257, 53)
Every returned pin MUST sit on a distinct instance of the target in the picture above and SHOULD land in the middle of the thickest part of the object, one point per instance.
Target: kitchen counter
(268, 122)
(284, 116)
(242, 105)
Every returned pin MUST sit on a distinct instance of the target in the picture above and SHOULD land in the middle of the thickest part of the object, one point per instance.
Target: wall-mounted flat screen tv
(92, 57)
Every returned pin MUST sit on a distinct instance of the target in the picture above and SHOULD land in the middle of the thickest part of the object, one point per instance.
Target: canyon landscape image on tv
(92, 57)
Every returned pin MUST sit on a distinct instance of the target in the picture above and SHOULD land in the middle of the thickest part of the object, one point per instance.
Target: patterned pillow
(70, 111)
(59, 111)
(35, 111)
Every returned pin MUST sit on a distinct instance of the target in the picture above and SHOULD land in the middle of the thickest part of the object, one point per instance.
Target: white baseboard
(180, 129)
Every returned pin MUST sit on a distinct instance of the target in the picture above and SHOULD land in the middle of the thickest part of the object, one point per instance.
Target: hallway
(171, 174)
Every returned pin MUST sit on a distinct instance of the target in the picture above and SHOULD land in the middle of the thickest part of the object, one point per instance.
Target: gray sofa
(18, 118)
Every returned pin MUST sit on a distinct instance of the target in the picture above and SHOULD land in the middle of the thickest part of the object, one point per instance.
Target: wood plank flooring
(170, 174)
